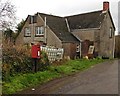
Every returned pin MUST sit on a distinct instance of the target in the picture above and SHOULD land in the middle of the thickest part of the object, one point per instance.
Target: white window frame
(39, 31)
(27, 32)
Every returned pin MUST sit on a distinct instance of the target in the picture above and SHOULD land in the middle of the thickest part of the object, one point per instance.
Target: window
(33, 19)
(27, 32)
(39, 31)
(111, 33)
(78, 48)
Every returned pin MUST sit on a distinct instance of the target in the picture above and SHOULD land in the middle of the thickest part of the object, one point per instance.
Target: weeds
(17, 60)
(21, 81)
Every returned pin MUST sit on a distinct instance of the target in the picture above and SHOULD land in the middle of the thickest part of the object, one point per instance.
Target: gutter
(88, 29)
(45, 30)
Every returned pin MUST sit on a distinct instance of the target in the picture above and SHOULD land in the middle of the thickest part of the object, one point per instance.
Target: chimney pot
(105, 6)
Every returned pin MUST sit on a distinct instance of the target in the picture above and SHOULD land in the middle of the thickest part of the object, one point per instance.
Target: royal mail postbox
(35, 51)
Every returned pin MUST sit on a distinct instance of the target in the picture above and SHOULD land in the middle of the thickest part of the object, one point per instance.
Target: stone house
(51, 30)
(73, 33)
(96, 27)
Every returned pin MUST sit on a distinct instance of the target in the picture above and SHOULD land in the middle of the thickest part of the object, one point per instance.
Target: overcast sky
(63, 7)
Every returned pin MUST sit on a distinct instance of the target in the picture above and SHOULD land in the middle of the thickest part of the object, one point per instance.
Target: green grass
(22, 81)
(19, 82)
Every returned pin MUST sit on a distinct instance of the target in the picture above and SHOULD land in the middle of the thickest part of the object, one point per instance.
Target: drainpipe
(80, 48)
(80, 44)
(114, 46)
(67, 24)
(45, 31)
(32, 28)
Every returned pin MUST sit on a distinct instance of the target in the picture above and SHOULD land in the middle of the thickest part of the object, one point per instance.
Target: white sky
(63, 7)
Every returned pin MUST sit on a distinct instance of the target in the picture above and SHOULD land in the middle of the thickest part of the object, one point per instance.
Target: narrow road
(99, 79)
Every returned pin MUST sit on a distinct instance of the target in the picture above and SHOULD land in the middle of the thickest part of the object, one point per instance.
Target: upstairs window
(111, 33)
(33, 19)
(27, 32)
(39, 31)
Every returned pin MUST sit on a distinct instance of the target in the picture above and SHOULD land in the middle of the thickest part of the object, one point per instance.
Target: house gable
(20, 38)
(107, 37)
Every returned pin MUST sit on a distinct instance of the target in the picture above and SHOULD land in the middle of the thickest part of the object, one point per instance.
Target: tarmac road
(99, 79)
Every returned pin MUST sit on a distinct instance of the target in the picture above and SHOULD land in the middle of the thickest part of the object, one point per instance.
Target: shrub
(18, 60)
(22, 81)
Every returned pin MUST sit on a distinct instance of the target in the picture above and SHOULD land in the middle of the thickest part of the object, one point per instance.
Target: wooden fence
(117, 46)
(54, 54)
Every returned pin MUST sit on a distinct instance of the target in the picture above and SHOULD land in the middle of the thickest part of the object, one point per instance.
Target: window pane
(42, 30)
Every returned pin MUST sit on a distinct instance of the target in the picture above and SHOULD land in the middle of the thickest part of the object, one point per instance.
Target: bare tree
(7, 14)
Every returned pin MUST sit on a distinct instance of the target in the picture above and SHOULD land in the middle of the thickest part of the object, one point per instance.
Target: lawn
(21, 81)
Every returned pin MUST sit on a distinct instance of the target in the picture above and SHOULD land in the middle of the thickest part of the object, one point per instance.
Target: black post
(35, 64)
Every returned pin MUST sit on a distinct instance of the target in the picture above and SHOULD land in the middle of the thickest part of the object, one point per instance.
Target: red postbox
(35, 51)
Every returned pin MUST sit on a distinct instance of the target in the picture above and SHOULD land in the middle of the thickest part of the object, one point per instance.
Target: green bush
(21, 81)
(18, 60)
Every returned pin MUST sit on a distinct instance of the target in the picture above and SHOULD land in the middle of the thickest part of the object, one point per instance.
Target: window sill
(110, 37)
(27, 36)
(39, 35)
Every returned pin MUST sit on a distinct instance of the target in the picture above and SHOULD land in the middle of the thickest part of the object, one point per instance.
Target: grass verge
(22, 81)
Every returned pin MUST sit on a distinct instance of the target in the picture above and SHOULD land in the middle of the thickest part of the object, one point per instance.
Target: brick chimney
(105, 6)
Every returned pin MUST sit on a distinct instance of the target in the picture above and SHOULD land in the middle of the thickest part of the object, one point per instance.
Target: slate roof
(79, 21)
(86, 20)
(58, 26)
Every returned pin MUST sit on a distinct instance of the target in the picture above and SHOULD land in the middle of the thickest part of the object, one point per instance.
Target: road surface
(99, 79)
